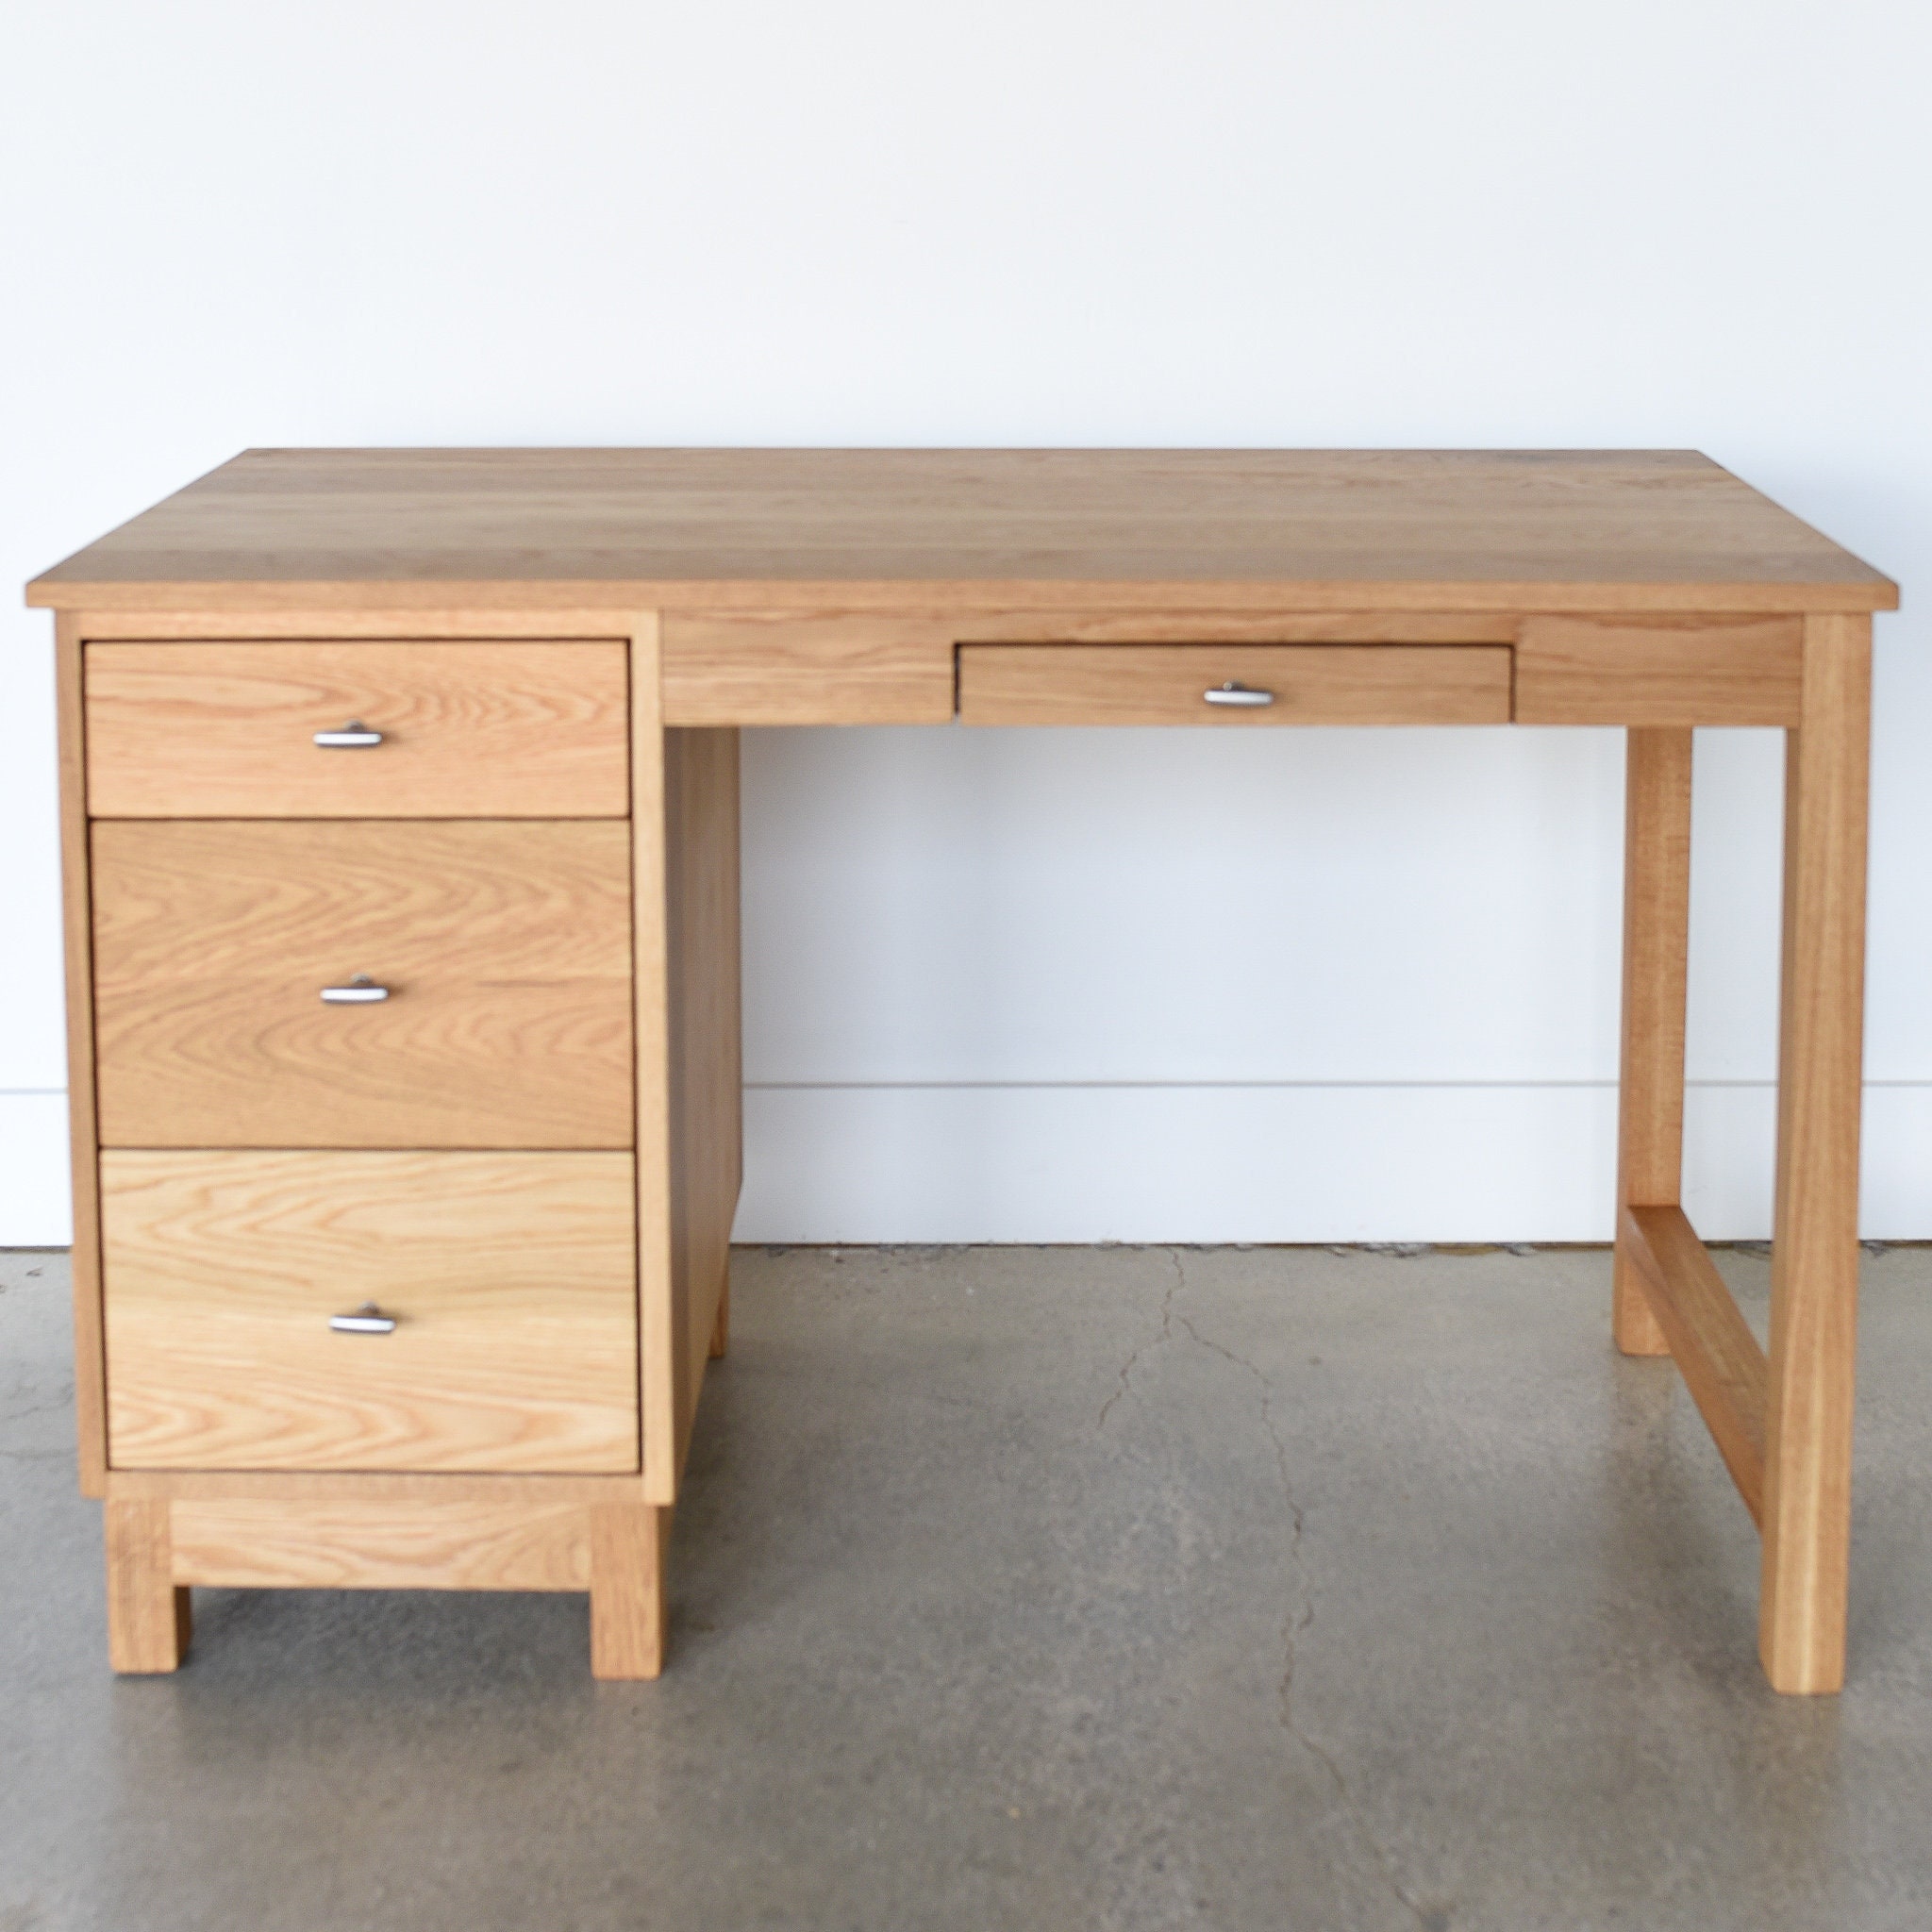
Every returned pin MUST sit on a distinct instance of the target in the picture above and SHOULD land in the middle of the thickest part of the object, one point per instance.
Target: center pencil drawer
(497, 1012)
(1234, 684)
(246, 1295)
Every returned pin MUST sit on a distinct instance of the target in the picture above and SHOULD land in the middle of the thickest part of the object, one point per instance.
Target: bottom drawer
(511, 1280)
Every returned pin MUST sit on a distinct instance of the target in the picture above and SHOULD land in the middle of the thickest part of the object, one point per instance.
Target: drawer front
(1171, 684)
(504, 949)
(806, 670)
(472, 730)
(511, 1279)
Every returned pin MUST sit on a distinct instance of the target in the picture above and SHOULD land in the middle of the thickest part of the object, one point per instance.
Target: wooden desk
(464, 723)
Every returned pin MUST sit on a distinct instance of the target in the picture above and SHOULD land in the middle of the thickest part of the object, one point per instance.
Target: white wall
(1053, 985)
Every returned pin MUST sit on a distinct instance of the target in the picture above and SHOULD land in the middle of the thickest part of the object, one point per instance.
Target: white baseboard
(1270, 1163)
(865, 1164)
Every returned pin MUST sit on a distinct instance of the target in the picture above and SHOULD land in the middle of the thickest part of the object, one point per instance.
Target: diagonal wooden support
(1721, 1363)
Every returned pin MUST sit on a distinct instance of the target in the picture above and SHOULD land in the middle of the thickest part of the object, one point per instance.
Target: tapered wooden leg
(1814, 1272)
(628, 1547)
(721, 1327)
(148, 1616)
(1650, 1095)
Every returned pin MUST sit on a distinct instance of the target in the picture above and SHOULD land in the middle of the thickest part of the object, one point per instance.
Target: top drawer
(470, 730)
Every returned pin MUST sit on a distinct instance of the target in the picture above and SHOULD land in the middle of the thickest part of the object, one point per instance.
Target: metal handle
(367, 1320)
(360, 991)
(1233, 693)
(354, 736)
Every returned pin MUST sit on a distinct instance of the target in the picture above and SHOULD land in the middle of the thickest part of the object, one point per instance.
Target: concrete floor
(1071, 1589)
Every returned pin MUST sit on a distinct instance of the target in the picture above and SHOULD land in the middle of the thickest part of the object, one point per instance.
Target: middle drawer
(498, 1012)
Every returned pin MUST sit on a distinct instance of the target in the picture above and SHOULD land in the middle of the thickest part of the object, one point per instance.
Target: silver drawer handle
(360, 991)
(354, 736)
(1233, 693)
(367, 1320)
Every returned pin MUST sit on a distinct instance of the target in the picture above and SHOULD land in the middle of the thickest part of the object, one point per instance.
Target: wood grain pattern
(1719, 1357)
(1692, 670)
(629, 530)
(441, 622)
(702, 854)
(469, 730)
(505, 946)
(365, 1545)
(1163, 684)
(1199, 626)
(89, 1361)
(628, 1545)
(1656, 922)
(850, 668)
(1814, 1280)
(150, 1618)
(659, 1208)
(511, 1276)
(368, 1486)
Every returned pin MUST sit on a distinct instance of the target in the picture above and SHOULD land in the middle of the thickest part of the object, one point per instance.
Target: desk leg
(628, 1542)
(149, 1620)
(1814, 1273)
(1657, 906)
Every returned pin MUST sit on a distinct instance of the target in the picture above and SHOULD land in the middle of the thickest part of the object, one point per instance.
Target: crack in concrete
(1296, 1619)
(1140, 1348)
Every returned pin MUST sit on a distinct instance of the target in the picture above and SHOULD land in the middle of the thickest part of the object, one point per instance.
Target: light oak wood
(1657, 916)
(150, 1618)
(469, 730)
(629, 530)
(1658, 672)
(369, 1486)
(89, 1380)
(1719, 1357)
(996, 626)
(511, 1278)
(660, 1210)
(348, 1544)
(847, 668)
(701, 833)
(440, 623)
(689, 1059)
(1815, 1248)
(1165, 684)
(1198, 626)
(627, 1604)
(505, 946)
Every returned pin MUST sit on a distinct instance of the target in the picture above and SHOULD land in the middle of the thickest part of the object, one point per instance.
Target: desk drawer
(504, 947)
(510, 1278)
(1272, 683)
(472, 730)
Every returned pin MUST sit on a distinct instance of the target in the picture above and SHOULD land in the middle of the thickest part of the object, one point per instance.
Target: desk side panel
(89, 1358)
(701, 845)
(685, 831)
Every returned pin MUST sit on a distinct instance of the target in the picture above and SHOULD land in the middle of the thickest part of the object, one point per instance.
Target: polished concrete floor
(1118, 1588)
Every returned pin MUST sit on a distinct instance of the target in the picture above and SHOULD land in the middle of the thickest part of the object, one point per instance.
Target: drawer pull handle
(354, 736)
(360, 991)
(367, 1320)
(1233, 693)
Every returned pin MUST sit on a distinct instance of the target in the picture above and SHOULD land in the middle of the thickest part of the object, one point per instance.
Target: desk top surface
(973, 530)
